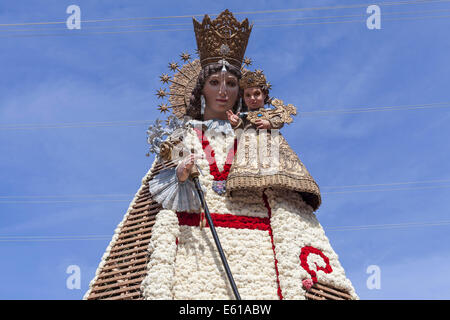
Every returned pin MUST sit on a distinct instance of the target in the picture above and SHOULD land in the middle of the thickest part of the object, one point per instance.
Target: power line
(416, 18)
(337, 228)
(74, 125)
(347, 21)
(147, 122)
(62, 201)
(387, 184)
(43, 238)
(53, 237)
(129, 194)
(354, 15)
(25, 199)
(80, 33)
(256, 20)
(384, 190)
(68, 196)
(392, 3)
(376, 109)
(104, 27)
(388, 226)
(128, 200)
(90, 33)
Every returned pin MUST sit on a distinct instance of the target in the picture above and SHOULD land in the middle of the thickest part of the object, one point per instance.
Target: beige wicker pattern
(126, 266)
(246, 171)
(282, 181)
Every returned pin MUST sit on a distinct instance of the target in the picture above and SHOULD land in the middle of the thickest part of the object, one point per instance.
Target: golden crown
(253, 79)
(223, 38)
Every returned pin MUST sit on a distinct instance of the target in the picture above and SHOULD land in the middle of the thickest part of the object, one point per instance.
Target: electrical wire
(384, 190)
(62, 201)
(387, 184)
(392, 3)
(337, 228)
(26, 199)
(79, 32)
(147, 122)
(129, 194)
(255, 20)
(74, 125)
(388, 226)
(128, 200)
(376, 109)
(67, 196)
(30, 239)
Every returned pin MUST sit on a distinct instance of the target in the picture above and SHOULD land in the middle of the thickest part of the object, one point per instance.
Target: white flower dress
(271, 238)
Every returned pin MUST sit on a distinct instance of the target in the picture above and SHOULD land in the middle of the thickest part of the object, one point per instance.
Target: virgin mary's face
(221, 91)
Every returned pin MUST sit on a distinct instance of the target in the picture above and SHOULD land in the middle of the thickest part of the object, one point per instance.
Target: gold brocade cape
(264, 159)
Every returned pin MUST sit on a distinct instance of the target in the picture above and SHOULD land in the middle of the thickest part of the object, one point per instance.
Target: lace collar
(217, 125)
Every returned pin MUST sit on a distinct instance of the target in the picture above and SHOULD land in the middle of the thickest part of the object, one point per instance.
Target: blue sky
(49, 176)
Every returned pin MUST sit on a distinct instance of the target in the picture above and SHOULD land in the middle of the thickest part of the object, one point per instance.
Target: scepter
(194, 175)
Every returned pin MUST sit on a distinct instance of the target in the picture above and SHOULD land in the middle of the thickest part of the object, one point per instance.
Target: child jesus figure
(255, 90)
(263, 157)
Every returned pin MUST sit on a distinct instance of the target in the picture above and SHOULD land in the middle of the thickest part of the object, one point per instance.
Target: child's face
(254, 98)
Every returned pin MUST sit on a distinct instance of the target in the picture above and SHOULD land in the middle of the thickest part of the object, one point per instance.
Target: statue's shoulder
(165, 137)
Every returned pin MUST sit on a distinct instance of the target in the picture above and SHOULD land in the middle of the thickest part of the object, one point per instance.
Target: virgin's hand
(185, 166)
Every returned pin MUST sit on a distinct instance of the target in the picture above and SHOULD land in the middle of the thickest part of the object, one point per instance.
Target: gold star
(161, 93)
(269, 86)
(165, 78)
(185, 56)
(247, 61)
(163, 107)
(173, 66)
(258, 72)
(244, 71)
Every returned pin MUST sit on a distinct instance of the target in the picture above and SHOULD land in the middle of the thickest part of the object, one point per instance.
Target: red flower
(307, 283)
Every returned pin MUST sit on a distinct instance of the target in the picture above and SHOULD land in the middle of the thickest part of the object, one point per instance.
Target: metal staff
(194, 175)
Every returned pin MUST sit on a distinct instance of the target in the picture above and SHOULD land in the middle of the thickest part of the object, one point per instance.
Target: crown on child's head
(253, 79)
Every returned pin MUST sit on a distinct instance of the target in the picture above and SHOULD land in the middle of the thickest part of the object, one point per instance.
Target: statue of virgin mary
(272, 240)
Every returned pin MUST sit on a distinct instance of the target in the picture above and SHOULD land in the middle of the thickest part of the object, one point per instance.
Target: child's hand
(263, 124)
(233, 118)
